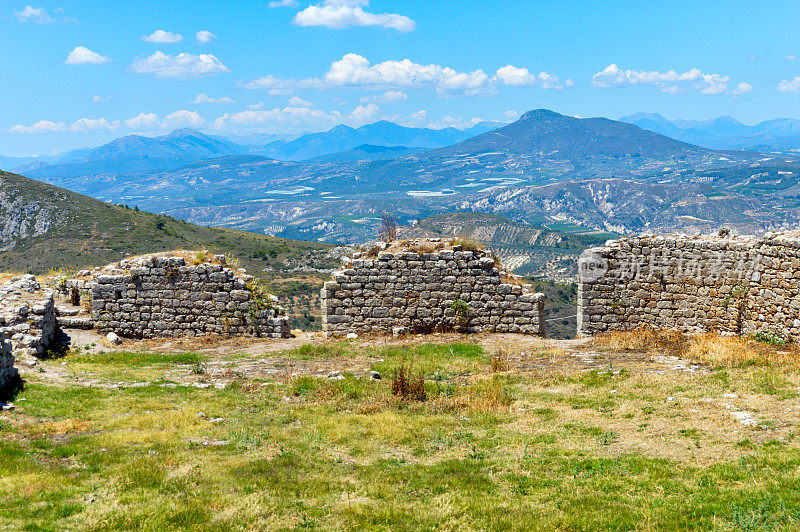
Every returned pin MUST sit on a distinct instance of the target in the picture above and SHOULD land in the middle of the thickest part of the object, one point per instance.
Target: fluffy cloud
(183, 118)
(791, 57)
(204, 37)
(790, 86)
(39, 15)
(294, 118)
(511, 114)
(204, 98)
(386, 97)
(84, 125)
(670, 82)
(454, 121)
(143, 122)
(98, 98)
(163, 37)
(283, 3)
(339, 14)
(354, 70)
(294, 101)
(42, 126)
(182, 66)
(521, 77)
(83, 56)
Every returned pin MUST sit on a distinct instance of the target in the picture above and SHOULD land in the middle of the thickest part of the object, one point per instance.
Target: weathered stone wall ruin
(415, 291)
(27, 323)
(162, 296)
(738, 285)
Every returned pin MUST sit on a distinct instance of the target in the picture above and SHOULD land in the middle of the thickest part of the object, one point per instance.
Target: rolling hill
(44, 227)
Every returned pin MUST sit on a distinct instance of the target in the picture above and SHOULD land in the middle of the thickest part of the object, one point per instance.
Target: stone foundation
(415, 291)
(163, 296)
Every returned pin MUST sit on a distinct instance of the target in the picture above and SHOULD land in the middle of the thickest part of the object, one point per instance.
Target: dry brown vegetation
(707, 348)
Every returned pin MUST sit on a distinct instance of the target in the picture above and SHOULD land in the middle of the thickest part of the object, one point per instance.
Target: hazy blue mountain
(138, 153)
(383, 133)
(542, 131)
(724, 132)
(368, 152)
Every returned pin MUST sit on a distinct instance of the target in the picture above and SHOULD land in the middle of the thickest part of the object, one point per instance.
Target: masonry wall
(728, 284)
(8, 373)
(164, 297)
(415, 292)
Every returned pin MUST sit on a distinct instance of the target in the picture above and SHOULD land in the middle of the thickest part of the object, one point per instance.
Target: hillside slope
(45, 227)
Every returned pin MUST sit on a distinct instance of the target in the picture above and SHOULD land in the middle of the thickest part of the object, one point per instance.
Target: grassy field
(615, 435)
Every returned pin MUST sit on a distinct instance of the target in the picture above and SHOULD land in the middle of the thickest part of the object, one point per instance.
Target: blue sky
(79, 73)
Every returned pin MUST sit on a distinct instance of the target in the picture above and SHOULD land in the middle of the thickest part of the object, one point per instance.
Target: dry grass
(707, 348)
(643, 339)
(732, 351)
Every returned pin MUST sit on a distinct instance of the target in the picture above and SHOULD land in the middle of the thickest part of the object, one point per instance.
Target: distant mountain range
(343, 138)
(602, 174)
(182, 146)
(724, 133)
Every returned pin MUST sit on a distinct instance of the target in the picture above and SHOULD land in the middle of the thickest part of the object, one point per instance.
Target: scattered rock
(113, 338)
(352, 336)
(745, 418)
(374, 375)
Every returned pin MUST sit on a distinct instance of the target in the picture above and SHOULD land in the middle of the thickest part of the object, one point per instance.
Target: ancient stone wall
(416, 290)
(722, 283)
(27, 316)
(163, 296)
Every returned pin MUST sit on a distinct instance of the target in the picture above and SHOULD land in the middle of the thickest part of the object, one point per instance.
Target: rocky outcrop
(21, 218)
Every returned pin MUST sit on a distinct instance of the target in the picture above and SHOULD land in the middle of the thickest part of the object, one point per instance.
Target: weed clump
(407, 386)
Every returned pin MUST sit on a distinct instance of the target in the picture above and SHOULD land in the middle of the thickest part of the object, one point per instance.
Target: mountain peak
(183, 132)
(539, 114)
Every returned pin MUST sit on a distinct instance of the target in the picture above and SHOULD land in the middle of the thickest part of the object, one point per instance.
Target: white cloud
(183, 118)
(283, 3)
(100, 98)
(256, 106)
(42, 126)
(83, 56)
(339, 14)
(204, 37)
(85, 125)
(365, 113)
(293, 118)
(39, 15)
(183, 66)
(790, 86)
(354, 70)
(454, 121)
(741, 88)
(669, 82)
(791, 57)
(294, 101)
(143, 122)
(521, 77)
(163, 37)
(204, 98)
(511, 114)
(386, 97)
